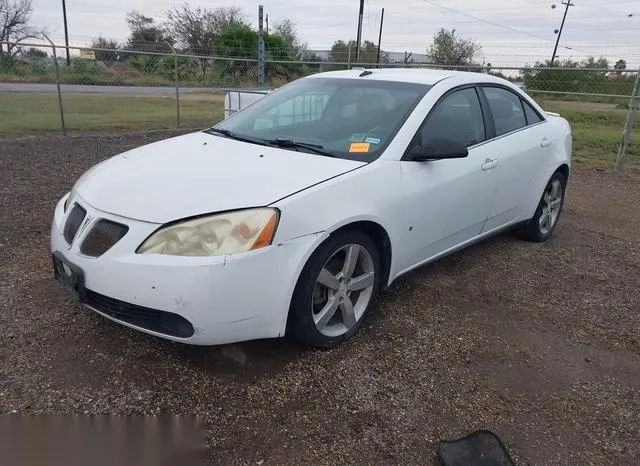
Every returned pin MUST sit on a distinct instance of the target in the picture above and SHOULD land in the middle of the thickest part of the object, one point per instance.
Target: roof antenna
(365, 73)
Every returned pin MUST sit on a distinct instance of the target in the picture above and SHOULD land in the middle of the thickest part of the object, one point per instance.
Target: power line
(502, 26)
(477, 18)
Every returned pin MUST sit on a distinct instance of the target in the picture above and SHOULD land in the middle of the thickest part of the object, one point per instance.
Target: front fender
(372, 193)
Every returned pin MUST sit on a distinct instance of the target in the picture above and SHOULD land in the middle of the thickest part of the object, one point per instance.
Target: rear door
(520, 147)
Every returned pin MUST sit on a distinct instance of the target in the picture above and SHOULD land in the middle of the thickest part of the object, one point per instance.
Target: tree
(595, 63)
(368, 52)
(620, 66)
(237, 41)
(340, 51)
(14, 24)
(588, 76)
(287, 30)
(35, 53)
(145, 35)
(196, 30)
(107, 56)
(450, 50)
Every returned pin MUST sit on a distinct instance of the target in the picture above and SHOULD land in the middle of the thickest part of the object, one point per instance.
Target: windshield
(349, 118)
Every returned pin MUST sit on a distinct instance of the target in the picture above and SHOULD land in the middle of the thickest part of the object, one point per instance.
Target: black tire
(532, 231)
(301, 325)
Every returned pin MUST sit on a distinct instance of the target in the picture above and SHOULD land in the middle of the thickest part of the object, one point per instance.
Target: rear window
(530, 113)
(506, 108)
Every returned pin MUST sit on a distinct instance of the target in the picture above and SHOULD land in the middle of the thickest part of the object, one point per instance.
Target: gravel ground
(537, 342)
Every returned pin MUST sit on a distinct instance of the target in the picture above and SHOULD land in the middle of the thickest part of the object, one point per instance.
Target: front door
(447, 201)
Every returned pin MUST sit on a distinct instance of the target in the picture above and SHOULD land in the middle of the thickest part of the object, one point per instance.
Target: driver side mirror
(437, 149)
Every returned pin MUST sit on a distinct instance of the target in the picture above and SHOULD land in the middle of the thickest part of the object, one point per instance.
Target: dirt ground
(538, 342)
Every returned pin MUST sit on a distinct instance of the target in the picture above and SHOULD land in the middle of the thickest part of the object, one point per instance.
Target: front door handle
(544, 142)
(489, 164)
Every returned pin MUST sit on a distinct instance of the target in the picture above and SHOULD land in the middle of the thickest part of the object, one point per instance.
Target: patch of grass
(32, 112)
(597, 132)
(547, 97)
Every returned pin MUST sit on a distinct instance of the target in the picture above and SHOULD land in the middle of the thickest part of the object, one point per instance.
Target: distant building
(409, 57)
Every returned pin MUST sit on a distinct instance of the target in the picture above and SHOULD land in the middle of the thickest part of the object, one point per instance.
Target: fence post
(261, 78)
(55, 62)
(175, 71)
(628, 125)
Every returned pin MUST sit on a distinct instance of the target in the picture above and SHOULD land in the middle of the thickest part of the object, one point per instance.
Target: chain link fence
(107, 89)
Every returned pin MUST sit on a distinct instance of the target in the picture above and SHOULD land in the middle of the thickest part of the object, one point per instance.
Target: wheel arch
(380, 237)
(371, 228)
(565, 170)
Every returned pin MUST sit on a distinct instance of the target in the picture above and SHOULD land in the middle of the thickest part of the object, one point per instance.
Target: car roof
(408, 75)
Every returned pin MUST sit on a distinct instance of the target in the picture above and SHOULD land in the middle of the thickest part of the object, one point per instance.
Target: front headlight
(215, 235)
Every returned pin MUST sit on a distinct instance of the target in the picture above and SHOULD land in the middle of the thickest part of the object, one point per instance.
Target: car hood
(199, 173)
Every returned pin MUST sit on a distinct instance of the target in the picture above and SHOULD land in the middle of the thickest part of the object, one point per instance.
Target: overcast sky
(522, 30)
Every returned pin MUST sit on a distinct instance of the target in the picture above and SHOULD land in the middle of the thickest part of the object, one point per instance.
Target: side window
(457, 117)
(531, 114)
(507, 110)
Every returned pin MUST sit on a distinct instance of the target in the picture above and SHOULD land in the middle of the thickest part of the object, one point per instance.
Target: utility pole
(380, 36)
(260, 47)
(266, 20)
(359, 31)
(566, 10)
(66, 31)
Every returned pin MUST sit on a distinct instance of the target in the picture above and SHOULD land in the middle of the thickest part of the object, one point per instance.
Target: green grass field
(597, 127)
(35, 112)
(597, 131)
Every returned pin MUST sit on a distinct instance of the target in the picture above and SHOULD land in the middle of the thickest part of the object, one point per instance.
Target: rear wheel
(336, 290)
(545, 220)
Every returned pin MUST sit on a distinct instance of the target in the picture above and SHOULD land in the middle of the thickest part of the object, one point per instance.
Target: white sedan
(293, 214)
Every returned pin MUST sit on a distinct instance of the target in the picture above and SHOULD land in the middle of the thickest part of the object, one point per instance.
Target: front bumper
(195, 300)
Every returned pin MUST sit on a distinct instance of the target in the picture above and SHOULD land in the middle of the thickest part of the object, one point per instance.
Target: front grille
(74, 220)
(102, 237)
(163, 322)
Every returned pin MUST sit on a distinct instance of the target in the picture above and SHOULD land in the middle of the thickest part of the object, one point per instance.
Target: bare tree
(196, 29)
(287, 30)
(14, 24)
(408, 58)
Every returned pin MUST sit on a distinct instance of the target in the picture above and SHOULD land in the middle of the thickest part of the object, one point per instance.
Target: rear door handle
(544, 142)
(489, 164)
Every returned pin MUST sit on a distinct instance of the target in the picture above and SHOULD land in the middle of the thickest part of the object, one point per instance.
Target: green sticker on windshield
(357, 137)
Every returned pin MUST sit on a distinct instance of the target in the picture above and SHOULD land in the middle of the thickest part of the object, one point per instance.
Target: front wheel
(544, 221)
(336, 290)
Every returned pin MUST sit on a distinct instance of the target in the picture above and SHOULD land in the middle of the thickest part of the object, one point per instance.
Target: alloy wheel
(551, 204)
(343, 290)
